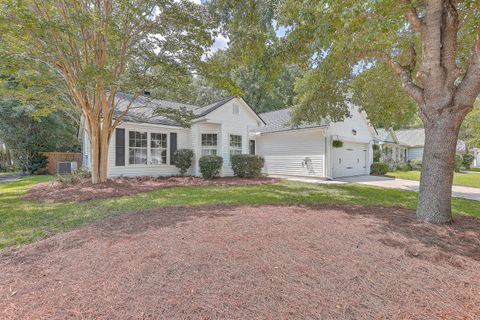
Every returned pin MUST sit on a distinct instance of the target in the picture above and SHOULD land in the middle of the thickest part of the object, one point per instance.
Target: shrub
(404, 167)
(458, 162)
(377, 153)
(210, 166)
(247, 165)
(468, 160)
(337, 143)
(183, 160)
(416, 164)
(35, 164)
(379, 168)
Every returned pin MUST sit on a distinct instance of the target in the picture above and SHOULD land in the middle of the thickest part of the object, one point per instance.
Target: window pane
(235, 144)
(137, 152)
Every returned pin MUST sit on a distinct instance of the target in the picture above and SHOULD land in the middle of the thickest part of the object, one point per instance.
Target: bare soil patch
(264, 262)
(84, 190)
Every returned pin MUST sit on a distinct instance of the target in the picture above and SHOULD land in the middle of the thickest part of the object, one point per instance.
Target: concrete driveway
(387, 182)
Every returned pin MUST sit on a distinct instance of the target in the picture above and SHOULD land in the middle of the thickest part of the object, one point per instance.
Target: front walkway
(387, 182)
(8, 177)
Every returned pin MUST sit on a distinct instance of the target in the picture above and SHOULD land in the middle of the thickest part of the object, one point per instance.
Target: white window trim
(149, 153)
(216, 148)
(149, 132)
(230, 147)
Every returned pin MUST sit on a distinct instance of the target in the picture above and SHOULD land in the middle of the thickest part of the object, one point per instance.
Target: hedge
(247, 165)
(210, 166)
(379, 168)
(183, 160)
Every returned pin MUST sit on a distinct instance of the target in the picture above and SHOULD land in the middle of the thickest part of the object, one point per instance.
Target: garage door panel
(296, 154)
(350, 160)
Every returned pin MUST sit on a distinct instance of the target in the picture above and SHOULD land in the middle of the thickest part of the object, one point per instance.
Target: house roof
(411, 137)
(385, 135)
(143, 109)
(280, 120)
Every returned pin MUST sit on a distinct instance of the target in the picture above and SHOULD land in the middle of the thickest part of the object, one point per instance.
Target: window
(158, 148)
(235, 144)
(252, 146)
(137, 147)
(209, 144)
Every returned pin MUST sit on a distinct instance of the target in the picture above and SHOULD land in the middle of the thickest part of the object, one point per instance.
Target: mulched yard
(84, 190)
(265, 262)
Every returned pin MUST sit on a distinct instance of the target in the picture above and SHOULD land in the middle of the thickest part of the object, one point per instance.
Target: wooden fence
(54, 157)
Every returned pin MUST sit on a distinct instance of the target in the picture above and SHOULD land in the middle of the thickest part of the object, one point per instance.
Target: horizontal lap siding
(285, 152)
(415, 154)
(183, 141)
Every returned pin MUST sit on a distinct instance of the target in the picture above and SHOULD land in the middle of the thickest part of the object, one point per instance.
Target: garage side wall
(293, 153)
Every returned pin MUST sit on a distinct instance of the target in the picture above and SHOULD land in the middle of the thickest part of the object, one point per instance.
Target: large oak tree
(88, 50)
(387, 54)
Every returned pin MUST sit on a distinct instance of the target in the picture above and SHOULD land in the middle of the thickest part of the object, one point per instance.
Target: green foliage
(6, 164)
(247, 165)
(58, 49)
(210, 166)
(34, 163)
(470, 130)
(377, 153)
(337, 143)
(183, 160)
(379, 168)
(404, 167)
(416, 164)
(467, 160)
(458, 162)
(25, 134)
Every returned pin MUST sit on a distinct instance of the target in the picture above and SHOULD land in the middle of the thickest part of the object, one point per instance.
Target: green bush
(458, 162)
(377, 153)
(379, 168)
(337, 143)
(467, 160)
(247, 165)
(183, 160)
(34, 164)
(210, 166)
(404, 167)
(416, 164)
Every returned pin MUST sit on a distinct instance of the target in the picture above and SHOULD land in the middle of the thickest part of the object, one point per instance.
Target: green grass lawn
(23, 221)
(459, 179)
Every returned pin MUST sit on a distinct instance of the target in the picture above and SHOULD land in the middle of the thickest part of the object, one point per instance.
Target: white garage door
(293, 153)
(350, 160)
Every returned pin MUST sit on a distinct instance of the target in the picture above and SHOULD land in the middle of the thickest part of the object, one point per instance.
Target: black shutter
(119, 147)
(173, 146)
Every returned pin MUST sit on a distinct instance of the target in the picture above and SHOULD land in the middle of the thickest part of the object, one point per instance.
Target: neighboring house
(143, 144)
(476, 159)
(404, 145)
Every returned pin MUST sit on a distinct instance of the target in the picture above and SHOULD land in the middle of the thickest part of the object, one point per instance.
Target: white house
(405, 144)
(144, 143)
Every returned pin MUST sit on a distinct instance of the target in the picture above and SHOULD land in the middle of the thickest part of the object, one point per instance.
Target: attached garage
(350, 160)
(296, 153)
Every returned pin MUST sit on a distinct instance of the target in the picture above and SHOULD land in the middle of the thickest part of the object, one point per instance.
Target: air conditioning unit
(66, 167)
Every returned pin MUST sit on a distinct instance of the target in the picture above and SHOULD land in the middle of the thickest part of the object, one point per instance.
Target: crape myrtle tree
(96, 48)
(386, 55)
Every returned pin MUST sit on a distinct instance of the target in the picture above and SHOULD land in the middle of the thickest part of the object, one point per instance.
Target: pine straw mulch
(84, 190)
(249, 262)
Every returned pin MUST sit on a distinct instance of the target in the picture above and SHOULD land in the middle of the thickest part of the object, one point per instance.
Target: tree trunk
(435, 196)
(99, 142)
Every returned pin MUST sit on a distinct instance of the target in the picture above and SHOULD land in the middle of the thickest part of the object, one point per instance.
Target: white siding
(196, 137)
(233, 123)
(183, 141)
(294, 153)
(87, 151)
(415, 153)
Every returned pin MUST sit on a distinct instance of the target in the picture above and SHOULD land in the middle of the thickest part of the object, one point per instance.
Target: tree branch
(405, 75)
(468, 90)
(412, 16)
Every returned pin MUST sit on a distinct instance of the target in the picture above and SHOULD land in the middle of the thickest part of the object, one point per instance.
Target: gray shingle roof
(411, 137)
(143, 109)
(385, 135)
(280, 120)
